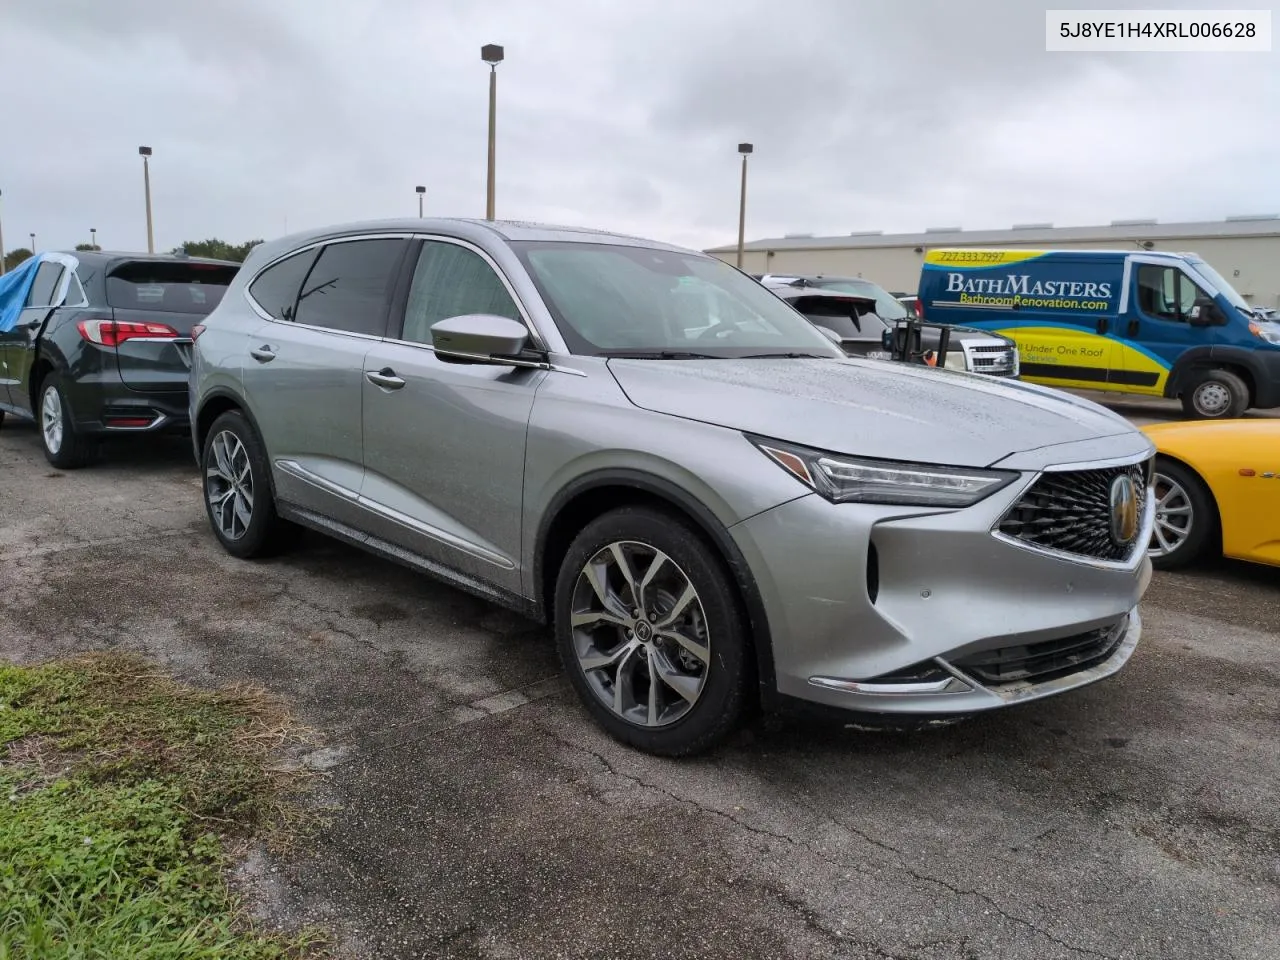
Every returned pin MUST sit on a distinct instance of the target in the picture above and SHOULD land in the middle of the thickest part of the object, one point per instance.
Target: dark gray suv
(712, 509)
(102, 346)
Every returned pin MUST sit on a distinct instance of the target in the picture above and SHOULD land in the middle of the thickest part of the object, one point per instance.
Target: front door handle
(1133, 328)
(385, 378)
(263, 354)
(1102, 324)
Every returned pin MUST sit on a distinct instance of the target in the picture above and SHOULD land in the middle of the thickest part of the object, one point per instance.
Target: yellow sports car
(1217, 489)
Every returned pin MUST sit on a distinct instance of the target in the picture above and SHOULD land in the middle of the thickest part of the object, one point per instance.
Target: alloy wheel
(640, 634)
(229, 485)
(51, 419)
(1174, 516)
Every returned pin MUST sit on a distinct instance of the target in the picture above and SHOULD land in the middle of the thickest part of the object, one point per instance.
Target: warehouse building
(1245, 250)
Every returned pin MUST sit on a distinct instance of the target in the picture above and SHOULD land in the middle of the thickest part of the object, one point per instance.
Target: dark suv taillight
(112, 333)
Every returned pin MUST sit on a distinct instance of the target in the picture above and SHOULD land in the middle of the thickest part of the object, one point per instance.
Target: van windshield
(1224, 288)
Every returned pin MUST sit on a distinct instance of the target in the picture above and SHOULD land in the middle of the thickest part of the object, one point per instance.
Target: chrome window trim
(536, 335)
(262, 312)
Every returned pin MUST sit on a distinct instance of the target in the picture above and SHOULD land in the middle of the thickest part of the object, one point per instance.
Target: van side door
(1157, 328)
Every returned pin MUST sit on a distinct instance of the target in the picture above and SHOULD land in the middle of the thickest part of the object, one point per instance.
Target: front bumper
(884, 609)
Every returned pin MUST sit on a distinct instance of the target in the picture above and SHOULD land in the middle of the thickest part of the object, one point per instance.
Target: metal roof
(1260, 226)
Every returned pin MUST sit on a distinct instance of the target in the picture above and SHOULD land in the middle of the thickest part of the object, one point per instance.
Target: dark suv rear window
(169, 287)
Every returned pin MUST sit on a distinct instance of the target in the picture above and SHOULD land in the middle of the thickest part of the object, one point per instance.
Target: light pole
(93, 237)
(491, 54)
(33, 243)
(744, 149)
(1, 249)
(145, 153)
(420, 192)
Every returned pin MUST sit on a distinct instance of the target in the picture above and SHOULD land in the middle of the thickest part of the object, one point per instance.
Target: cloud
(891, 116)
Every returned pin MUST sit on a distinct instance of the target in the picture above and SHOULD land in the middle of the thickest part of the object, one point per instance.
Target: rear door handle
(263, 354)
(1102, 325)
(385, 378)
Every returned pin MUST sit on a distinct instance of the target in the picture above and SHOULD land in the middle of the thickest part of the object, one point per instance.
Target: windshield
(888, 307)
(614, 300)
(1224, 288)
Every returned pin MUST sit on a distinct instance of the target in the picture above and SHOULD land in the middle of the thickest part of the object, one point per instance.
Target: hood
(870, 408)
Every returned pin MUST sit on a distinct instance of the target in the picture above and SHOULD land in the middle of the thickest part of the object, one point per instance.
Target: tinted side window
(276, 288)
(450, 281)
(348, 289)
(45, 284)
(75, 292)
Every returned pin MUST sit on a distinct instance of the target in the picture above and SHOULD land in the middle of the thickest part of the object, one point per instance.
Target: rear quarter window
(168, 287)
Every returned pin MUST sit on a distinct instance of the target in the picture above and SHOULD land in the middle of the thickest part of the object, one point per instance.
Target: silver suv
(712, 517)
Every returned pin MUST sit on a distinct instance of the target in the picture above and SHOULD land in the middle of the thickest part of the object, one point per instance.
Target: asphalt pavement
(473, 809)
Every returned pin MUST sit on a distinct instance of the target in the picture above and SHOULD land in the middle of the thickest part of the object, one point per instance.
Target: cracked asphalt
(474, 810)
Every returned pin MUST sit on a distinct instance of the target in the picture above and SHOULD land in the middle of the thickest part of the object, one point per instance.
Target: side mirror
(831, 334)
(1204, 313)
(479, 338)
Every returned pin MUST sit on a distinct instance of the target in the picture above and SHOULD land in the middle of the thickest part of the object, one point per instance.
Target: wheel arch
(1198, 359)
(596, 493)
(215, 403)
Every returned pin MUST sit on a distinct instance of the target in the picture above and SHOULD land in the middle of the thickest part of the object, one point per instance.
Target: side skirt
(407, 558)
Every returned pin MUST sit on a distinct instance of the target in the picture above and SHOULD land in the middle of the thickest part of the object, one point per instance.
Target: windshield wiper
(784, 356)
(658, 355)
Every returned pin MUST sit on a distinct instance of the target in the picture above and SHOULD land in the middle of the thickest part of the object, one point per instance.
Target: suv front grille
(1045, 661)
(993, 359)
(1070, 512)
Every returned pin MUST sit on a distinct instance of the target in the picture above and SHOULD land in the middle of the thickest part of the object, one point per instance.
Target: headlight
(844, 479)
(955, 358)
(1264, 330)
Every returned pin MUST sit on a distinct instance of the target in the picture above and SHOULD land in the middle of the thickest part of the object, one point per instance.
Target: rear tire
(1186, 526)
(1216, 395)
(63, 446)
(238, 497)
(662, 658)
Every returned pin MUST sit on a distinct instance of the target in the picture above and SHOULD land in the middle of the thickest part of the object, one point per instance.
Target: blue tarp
(14, 287)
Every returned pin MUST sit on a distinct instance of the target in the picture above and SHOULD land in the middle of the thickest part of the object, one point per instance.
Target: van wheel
(651, 634)
(1186, 522)
(1216, 395)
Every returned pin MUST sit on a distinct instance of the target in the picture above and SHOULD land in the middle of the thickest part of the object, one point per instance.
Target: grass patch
(120, 793)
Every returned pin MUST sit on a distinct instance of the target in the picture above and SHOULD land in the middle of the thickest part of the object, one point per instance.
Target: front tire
(1186, 524)
(238, 497)
(1216, 395)
(651, 634)
(63, 446)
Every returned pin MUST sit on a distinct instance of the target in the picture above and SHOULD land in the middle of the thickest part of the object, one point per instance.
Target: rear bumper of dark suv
(104, 407)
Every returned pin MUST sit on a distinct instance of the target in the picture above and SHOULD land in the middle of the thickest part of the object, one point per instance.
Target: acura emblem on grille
(1124, 511)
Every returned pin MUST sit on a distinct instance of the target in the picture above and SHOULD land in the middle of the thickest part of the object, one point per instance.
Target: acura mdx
(712, 516)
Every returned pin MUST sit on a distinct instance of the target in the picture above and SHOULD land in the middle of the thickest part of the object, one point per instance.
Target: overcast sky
(865, 114)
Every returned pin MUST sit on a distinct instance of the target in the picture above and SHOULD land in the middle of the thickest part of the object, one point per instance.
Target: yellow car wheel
(1186, 521)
